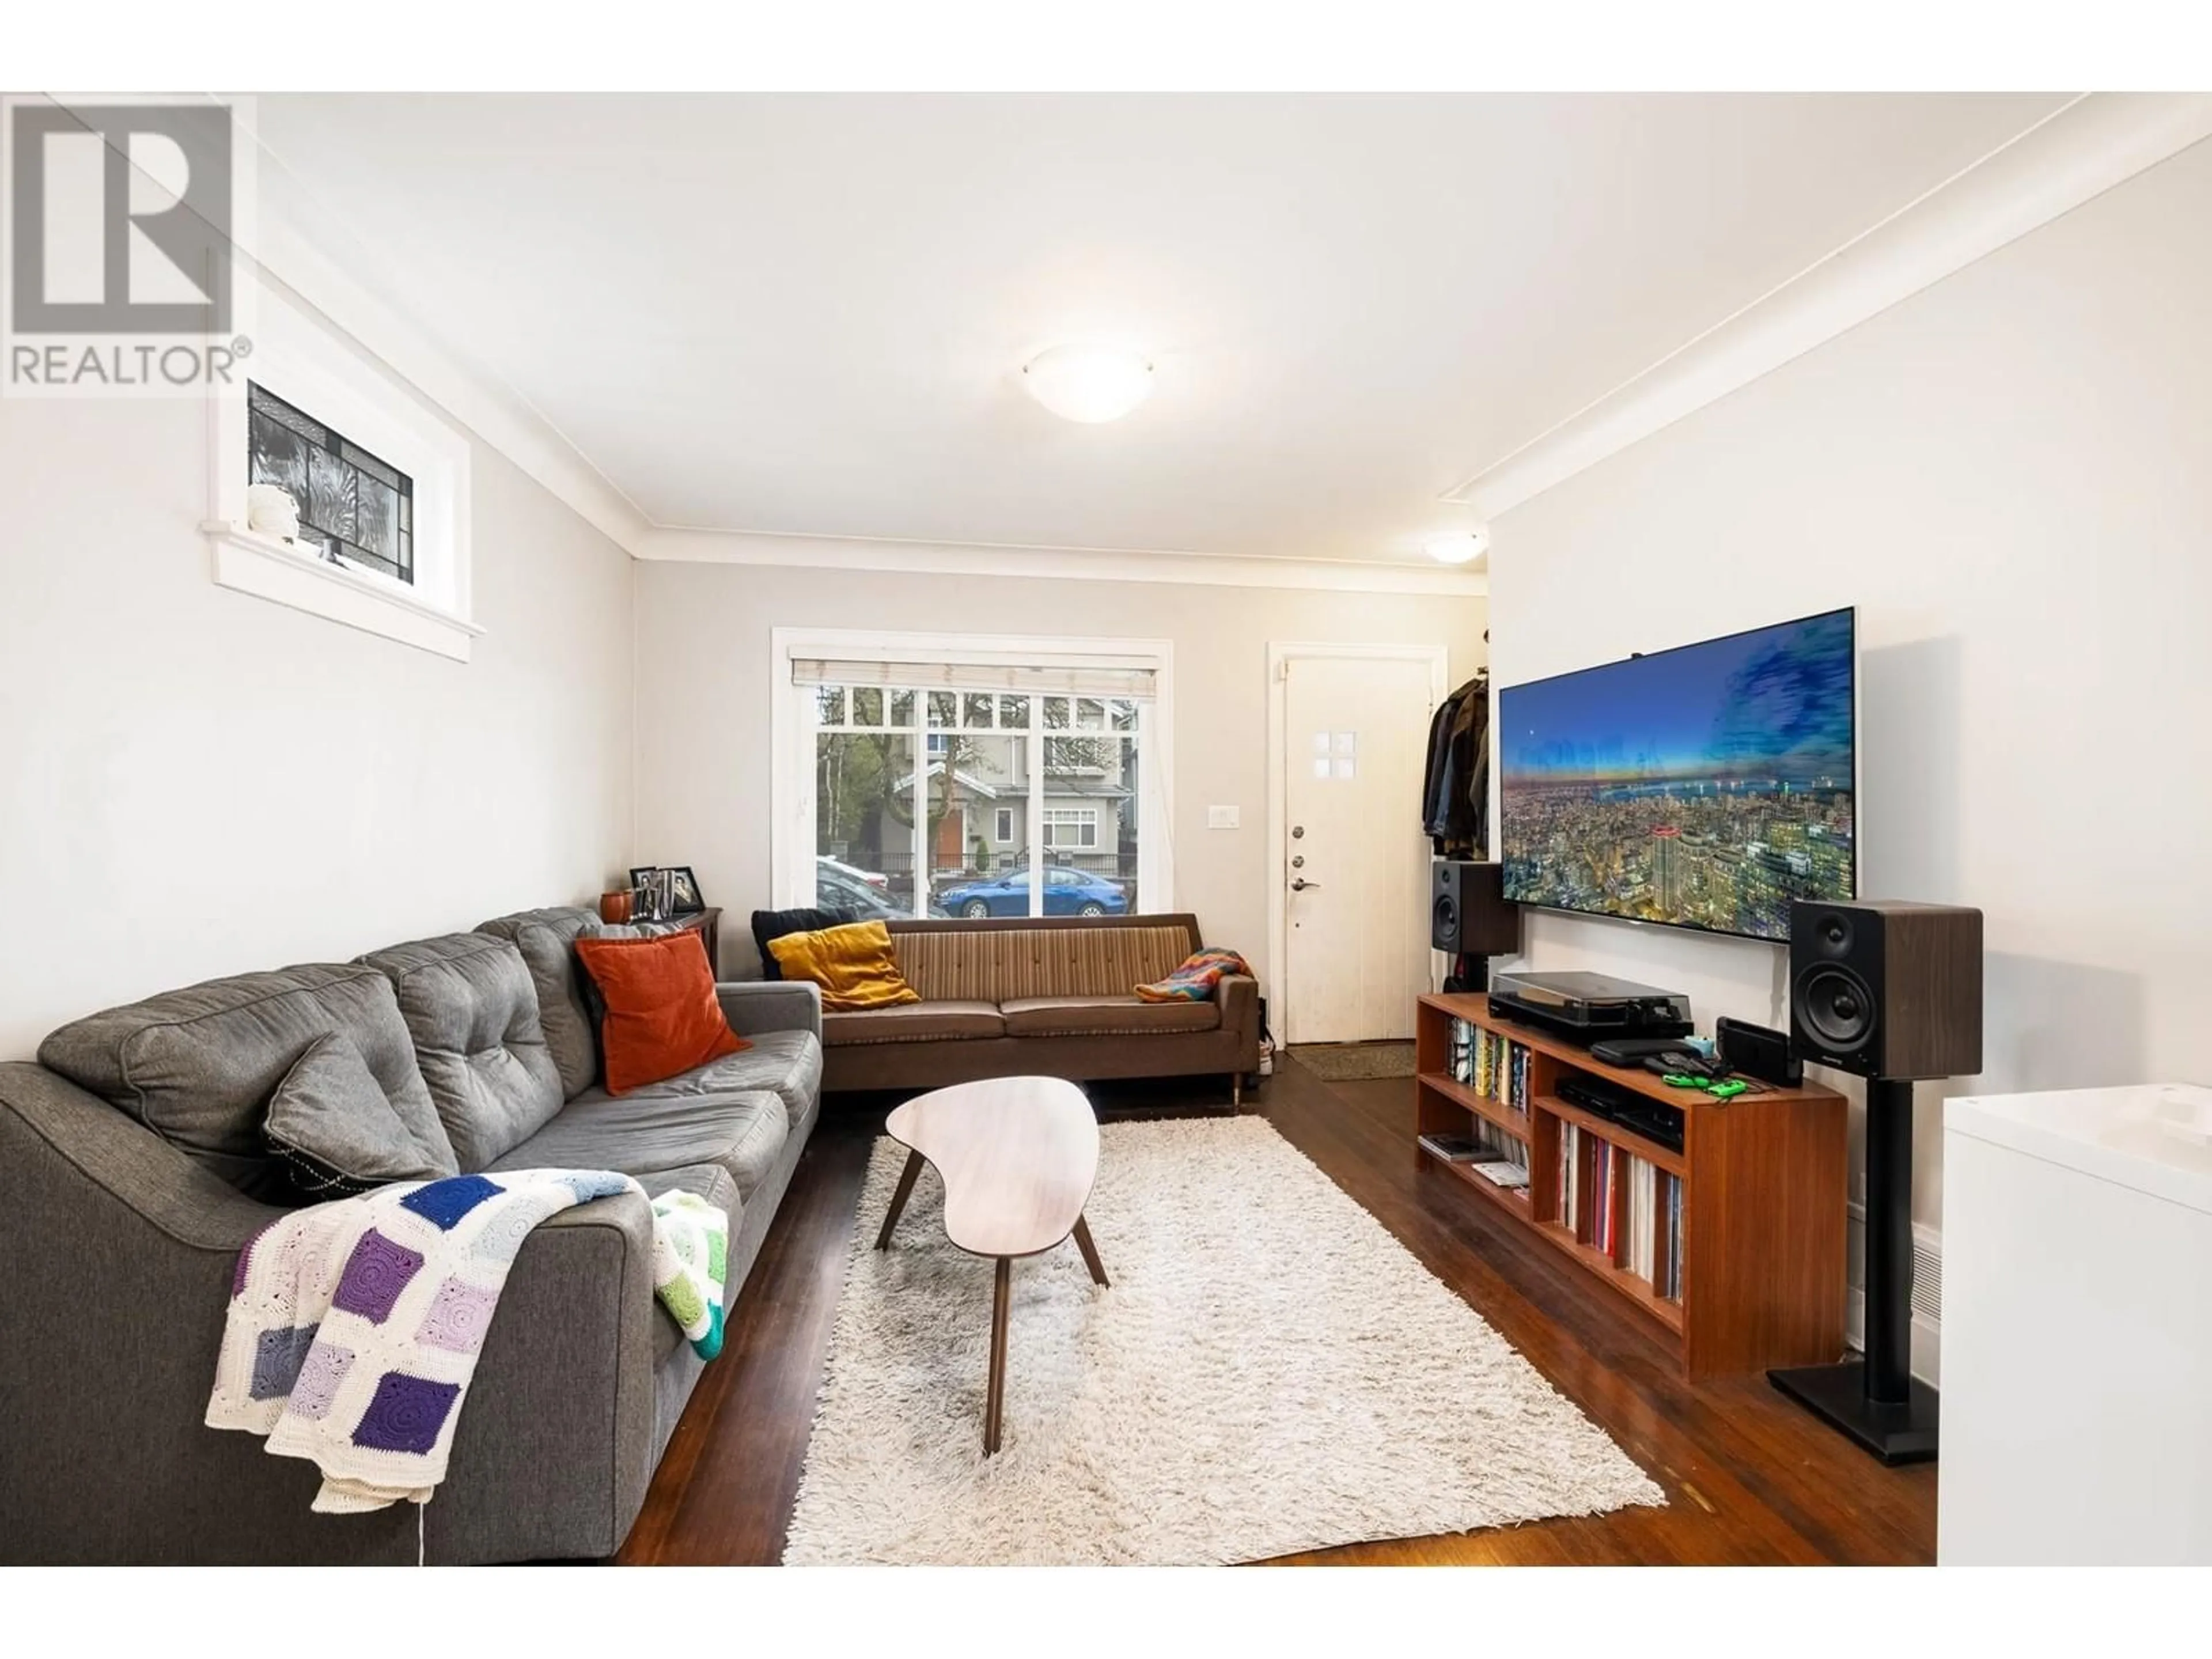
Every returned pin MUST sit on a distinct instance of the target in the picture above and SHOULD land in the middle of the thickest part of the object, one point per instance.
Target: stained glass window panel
(376, 517)
(355, 507)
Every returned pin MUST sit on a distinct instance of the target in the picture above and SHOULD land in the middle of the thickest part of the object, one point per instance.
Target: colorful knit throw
(1194, 981)
(353, 1327)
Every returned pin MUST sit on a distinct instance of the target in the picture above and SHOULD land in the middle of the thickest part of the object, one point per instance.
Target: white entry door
(1355, 870)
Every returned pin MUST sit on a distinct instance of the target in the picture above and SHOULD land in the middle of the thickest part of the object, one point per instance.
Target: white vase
(270, 511)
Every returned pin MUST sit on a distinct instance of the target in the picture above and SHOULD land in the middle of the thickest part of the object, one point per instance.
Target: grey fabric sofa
(131, 1174)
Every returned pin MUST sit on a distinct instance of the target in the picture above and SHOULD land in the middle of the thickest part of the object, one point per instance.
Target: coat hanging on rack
(1455, 790)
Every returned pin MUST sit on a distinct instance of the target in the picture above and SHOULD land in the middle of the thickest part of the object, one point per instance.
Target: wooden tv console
(1764, 1179)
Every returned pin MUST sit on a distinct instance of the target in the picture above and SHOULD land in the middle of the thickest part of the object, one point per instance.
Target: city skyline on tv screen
(1708, 786)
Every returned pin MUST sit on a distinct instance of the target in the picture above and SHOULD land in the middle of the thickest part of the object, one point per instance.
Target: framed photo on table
(675, 885)
(683, 891)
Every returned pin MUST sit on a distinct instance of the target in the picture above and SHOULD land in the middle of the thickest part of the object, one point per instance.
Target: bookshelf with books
(1732, 1244)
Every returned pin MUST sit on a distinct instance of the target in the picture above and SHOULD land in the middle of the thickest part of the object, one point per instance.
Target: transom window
(355, 508)
(977, 789)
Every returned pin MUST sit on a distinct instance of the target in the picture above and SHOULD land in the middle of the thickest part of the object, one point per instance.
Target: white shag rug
(1270, 1371)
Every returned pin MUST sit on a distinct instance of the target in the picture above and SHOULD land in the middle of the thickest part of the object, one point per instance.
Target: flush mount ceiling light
(1461, 548)
(1088, 383)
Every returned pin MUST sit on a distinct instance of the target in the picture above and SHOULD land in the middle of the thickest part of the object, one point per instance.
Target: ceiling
(805, 314)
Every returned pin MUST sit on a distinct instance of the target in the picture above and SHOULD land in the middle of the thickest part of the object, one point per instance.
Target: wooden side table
(707, 924)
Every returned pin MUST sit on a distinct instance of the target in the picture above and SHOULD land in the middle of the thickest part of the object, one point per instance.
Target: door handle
(1302, 883)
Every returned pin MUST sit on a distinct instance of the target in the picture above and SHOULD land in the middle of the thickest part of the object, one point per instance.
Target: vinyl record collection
(1510, 1148)
(1643, 1230)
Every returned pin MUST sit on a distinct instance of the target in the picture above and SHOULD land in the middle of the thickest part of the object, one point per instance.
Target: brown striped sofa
(1050, 996)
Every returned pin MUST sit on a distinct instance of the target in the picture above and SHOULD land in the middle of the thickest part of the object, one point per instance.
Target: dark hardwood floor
(1749, 1478)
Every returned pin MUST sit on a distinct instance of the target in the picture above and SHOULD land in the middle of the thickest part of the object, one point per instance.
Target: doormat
(1355, 1062)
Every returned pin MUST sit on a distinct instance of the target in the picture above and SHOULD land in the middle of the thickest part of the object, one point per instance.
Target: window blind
(1065, 680)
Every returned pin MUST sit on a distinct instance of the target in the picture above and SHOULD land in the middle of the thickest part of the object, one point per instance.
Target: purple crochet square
(406, 1414)
(446, 1201)
(276, 1358)
(458, 1317)
(375, 1273)
(317, 1385)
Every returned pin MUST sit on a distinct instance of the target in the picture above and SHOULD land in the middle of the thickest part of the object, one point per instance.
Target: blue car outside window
(1067, 892)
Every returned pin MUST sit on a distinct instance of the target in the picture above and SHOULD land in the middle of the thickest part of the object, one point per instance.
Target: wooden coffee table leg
(1090, 1251)
(995, 1395)
(899, 1198)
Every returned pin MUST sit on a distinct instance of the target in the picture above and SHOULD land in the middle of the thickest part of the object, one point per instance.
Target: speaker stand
(1469, 973)
(1875, 1400)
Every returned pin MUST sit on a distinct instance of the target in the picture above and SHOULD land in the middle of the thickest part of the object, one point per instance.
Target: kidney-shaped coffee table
(1018, 1156)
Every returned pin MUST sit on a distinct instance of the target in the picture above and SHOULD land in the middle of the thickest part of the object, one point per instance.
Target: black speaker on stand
(1471, 918)
(1891, 992)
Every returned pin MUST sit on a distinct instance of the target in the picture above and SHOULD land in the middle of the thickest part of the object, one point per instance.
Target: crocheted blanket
(354, 1326)
(1196, 979)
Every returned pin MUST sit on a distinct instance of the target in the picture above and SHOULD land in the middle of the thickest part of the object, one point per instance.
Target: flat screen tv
(1705, 787)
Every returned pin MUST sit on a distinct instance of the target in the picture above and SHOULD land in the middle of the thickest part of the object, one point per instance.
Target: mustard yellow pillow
(854, 965)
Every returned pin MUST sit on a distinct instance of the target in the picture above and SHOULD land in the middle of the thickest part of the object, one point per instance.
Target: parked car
(873, 878)
(839, 887)
(1066, 893)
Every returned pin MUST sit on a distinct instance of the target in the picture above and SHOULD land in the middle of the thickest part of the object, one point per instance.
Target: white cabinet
(2077, 1328)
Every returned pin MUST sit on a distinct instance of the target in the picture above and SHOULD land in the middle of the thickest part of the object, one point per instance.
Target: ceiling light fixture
(1460, 550)
(1088, 383)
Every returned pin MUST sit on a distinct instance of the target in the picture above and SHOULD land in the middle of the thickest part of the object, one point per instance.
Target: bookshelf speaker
(1469, 914)
(1885, 988)
(1892, 992)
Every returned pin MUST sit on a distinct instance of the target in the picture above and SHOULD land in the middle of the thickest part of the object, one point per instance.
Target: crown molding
(294, 227)
(283, 239)
(1054, 563)
(508, 424)
(289, 247)
(2075, 154)
(499, 419)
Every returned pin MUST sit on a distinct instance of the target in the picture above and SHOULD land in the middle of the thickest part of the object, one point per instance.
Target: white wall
(704, 674)
(2007, 475)
(194, 781)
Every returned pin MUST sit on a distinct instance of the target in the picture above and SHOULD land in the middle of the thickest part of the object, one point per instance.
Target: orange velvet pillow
(662, 1019)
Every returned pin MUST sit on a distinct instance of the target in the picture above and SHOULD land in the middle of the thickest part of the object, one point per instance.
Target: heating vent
(1927, 1266)
(1928, 1276)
